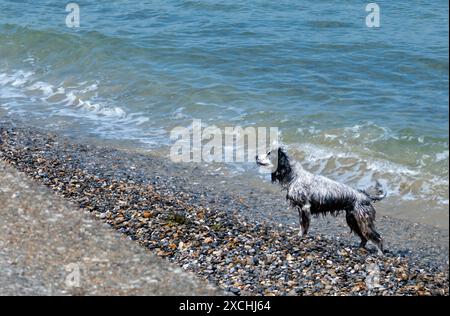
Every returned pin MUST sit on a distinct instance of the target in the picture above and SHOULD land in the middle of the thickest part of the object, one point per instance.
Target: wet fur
(317, 195)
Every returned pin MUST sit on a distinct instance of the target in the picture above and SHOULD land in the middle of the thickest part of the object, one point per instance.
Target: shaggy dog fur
(314, 194)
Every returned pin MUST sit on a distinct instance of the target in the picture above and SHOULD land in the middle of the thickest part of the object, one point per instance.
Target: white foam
(7, 93)
(46, 88)
(178, 113)
(15, 79)
(92, 87)
(77, 101)
(442, 156)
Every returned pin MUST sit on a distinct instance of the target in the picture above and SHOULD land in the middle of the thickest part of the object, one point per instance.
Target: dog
(313, 194)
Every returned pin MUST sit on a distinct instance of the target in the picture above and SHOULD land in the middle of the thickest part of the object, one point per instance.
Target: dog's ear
(283, 167)
(283, 157)
(274, 177)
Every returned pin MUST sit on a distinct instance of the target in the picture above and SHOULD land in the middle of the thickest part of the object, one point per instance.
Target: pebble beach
(229, 237)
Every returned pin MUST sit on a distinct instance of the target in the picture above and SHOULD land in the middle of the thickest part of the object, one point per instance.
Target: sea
(352, 101)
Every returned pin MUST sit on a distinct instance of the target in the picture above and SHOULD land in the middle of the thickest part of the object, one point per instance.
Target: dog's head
(277, 161)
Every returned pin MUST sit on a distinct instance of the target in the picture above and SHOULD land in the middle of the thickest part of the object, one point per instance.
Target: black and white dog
(314, 194)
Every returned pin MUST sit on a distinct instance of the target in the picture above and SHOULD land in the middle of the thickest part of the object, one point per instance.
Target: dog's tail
(380, 192)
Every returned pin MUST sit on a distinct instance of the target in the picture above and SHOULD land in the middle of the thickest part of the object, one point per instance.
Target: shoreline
(229, 236)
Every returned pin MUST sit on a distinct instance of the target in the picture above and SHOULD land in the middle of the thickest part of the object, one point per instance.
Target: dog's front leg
(300, 219)
(304, 214)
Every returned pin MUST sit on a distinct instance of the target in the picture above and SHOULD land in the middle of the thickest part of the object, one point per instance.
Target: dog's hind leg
(375, 237)
(352, 222)
(369, 230)
(364, 217)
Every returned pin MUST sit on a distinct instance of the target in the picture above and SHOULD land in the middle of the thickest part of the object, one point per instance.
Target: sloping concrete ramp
(50, 247)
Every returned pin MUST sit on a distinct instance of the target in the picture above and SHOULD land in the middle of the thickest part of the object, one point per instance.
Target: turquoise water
(354, 103)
